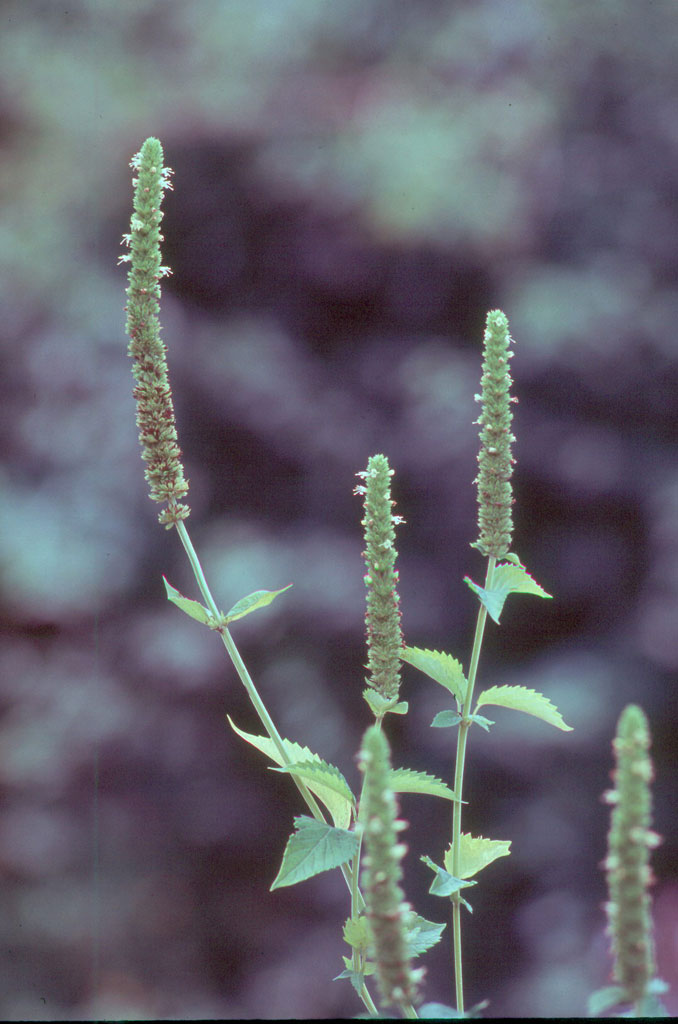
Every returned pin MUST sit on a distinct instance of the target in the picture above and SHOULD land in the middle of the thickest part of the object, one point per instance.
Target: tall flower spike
(155, 411)
(386, 910)
(628, 860)
(495, 496)
(382, 618)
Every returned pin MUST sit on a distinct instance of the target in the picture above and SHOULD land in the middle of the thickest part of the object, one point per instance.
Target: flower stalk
(382, 617)
(627, 864)
(155, 411)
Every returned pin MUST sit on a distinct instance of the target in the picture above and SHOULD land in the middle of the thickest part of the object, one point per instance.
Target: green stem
(350, 875)
(462, 736)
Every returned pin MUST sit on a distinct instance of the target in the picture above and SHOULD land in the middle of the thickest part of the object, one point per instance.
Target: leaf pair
(243, 607)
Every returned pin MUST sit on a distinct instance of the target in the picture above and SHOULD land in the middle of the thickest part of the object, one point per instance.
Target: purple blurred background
(355, 186)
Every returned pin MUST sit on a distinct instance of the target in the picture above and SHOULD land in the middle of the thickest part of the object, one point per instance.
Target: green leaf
(507, 579)
(475, 853)
(313, 848)
(439, 1011)
(406, 780)
(521, 699)
(421, 934)
(380, 705)
(603, 999)
(357, 933)
(319, 772)
(446, 719)
(484, 723)
(251, 603)
(196, 610)
(443, 668)
(338, 806)
(444, 884)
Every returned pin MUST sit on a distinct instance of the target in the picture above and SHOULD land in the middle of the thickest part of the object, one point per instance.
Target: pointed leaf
(380, 706)
(314, 848)
(445, 669)
(319, 772)
(421, 934)
(484, 723)
(338, 806)
(406, 780)
(507, 579)
(444, 884)
(603, 999)
(251, 603)
(476, 853)
(521, 699)
(196, 610)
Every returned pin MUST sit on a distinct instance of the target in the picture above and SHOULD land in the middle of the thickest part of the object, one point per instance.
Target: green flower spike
(495, 496)
(628, 861)
(382, 619)
(155, 412)
(382, 873)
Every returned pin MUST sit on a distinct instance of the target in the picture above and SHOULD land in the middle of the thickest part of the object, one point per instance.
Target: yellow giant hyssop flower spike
(155, 412)
(495, 495)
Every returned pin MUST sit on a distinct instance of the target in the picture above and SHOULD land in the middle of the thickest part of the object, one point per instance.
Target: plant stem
(350, 874)
(462, 735)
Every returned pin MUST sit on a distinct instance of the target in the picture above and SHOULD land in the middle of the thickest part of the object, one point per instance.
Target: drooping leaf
(322, 773)
(406, 780)
(484, 723)
(444, 883)
(521, 699)
(507, 579)
(475, 853)
(313, 848)
(251, 603)
(441, 667)
(339, 807)
(196, 610)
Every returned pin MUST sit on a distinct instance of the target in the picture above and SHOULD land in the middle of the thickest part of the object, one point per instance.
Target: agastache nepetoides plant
(358, 833)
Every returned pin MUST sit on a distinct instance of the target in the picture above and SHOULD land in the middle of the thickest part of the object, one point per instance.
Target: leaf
(521, 699)
(484, 723)
(444, 884)
(357, 933)
(338, 806)
(313, 848)
(421, 934)
(506, 579)
(380, 706)
(251, 603)
(603, 999)
(438, 1011)
(320, 772)
(446, 719)
(475, 853)
(406, 780)
(441, 667)
(196, 610)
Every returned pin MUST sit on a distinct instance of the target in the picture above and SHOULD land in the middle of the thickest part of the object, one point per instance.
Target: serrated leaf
(475, 853)
(322, 773)
(441, 667)
(484, 723)
(444, 883)
(313, 848)
(252, 603)
(357, 933)
(406, 780)
(506, 579)
(192, 608)
(338, 806)
(519, 698)
(421, 934)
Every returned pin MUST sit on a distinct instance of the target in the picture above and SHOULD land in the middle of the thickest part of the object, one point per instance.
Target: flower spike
(382, 618)
(155, 411)
(495, 496)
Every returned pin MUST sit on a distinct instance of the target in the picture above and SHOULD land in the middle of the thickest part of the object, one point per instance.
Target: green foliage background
(356, 184)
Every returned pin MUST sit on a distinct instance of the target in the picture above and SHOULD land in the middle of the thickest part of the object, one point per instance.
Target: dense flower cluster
(495, 496)
(155, 411)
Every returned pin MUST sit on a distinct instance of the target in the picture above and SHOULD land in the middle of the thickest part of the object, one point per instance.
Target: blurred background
(356, 184)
